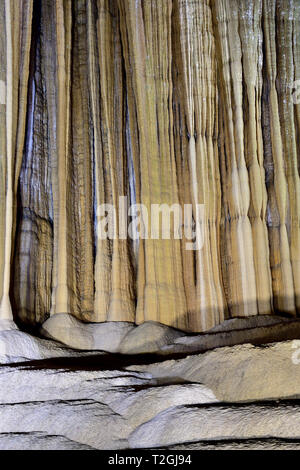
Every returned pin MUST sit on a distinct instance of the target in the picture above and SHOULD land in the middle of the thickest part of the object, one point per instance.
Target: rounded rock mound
(149, 337)
(76, 334)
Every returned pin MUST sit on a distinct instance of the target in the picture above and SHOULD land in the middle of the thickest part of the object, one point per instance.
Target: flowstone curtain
(175, 102)
(15, 39)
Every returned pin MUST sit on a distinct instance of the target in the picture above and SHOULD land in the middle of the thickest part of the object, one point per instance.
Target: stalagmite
(188, 104)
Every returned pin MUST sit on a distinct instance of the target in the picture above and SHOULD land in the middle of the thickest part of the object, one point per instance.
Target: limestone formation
(169, 427)
(106, 336)
(17, 346)
(156, 338)
(151, 115)
(16, 19)
(167, 102)
(241, 373)
(148, 338)
(235, 398)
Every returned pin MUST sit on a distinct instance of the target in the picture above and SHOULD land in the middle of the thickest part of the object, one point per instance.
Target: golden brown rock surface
(165, 102)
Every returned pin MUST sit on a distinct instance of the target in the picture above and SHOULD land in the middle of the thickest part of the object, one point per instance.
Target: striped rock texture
(165, 102)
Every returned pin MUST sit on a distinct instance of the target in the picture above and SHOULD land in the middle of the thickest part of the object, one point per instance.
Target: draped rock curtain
(15, 39)
(165, 102)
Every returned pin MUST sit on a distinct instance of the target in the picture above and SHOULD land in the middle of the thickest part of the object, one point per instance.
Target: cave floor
(239, 397)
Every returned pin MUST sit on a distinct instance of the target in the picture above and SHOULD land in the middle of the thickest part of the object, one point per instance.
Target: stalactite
(285, 79)
(16, 27)
(278, 238)
(250, 13)
(242, 285)
(102, 279)
(5, 307)
(34, 230)
(197, 75)
(61, 294)
(296, 57)
(147, 27)
(81, 211)
(112, 111)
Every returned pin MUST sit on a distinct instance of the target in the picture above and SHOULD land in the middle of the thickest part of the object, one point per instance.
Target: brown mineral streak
(112, 113)
(61, 301)
(165, 102)
(17, 30)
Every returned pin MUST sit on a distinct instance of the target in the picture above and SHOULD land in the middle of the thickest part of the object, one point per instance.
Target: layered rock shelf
(244, 397)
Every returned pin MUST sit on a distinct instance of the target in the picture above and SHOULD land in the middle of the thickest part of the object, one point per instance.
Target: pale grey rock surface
(230, 398)
(149, 337)
(254, 321)
(99, 409)
(236, 332)
(85, 421)
(185, 424)
(38, 441)
(68, 330)
(239, 373)
(154, 337)
(112, 337)
(239, 444)
(17, 346)
(6, 325)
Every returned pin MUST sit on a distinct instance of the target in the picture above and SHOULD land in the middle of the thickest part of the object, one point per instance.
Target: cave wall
(166, 102)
